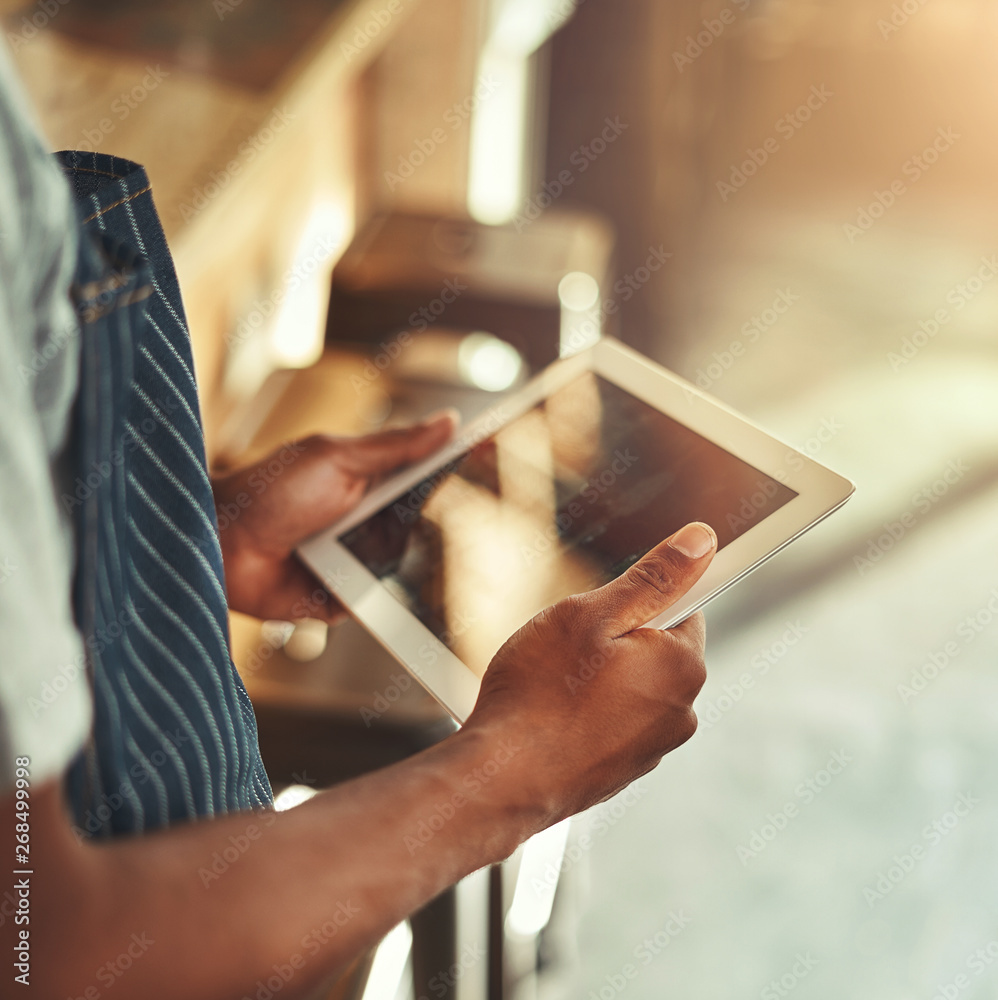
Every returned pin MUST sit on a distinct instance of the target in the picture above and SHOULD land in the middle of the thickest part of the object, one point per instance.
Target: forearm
(220, 903)
(213, 907)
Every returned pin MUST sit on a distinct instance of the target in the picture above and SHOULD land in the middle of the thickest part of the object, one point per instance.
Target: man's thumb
(657, 580)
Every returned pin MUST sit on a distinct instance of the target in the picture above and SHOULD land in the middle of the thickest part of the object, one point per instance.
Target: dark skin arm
(316, 885)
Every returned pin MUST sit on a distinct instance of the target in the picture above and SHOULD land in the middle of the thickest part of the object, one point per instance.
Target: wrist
(490, 770)
(230, 506)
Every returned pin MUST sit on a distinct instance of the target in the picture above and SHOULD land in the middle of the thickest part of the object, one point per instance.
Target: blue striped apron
(174, 733)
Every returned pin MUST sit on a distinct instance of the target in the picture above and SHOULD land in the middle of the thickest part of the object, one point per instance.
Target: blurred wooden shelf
(248, 43)
(244, 120)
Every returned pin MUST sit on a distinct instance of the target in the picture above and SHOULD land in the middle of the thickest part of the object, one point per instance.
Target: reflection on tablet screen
(561, 500)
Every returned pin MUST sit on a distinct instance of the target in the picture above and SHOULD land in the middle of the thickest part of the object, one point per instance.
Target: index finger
(392, 449)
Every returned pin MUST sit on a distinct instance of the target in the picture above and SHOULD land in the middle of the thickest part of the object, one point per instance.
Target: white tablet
(556, 491)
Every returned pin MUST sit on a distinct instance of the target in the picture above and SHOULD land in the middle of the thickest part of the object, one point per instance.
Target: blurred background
(381, 206)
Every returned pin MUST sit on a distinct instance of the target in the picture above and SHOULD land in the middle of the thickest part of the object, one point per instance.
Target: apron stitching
(90, 218)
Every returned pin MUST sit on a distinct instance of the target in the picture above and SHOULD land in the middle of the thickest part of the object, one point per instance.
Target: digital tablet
(554, 491)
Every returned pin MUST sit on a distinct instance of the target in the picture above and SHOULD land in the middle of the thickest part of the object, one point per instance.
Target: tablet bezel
(820, 492)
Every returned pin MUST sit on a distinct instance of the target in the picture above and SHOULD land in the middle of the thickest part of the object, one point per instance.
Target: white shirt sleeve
(45, 701)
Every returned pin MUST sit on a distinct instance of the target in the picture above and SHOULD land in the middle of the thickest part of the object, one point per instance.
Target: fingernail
(694, 541)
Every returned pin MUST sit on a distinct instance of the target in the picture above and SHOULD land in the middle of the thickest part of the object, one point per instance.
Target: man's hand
(594, 699)
(266, 511)
(578, 703)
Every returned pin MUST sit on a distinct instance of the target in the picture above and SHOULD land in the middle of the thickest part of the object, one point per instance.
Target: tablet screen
(559, 501)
